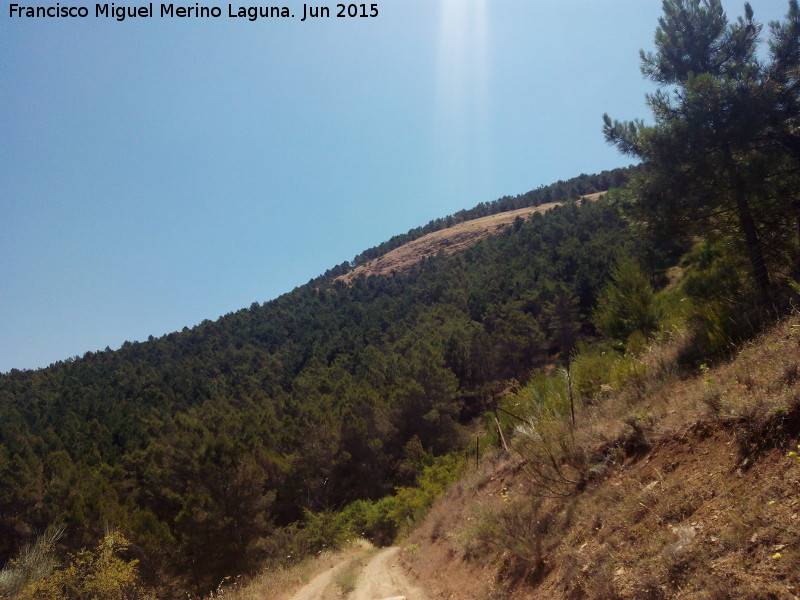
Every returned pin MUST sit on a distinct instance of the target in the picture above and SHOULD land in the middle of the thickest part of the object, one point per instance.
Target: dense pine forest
(203, 446)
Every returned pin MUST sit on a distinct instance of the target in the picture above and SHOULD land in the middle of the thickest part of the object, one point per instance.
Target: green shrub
(412, 503)
(591, 368)
(554, 464)
(627, 304)
(371, 520)
(380, 521)
(627, 371)
(99, 574)
(326, 529)
(724, 309)
(543, 394)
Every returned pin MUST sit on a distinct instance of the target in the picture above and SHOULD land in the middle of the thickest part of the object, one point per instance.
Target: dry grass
(450, 241)
(690, 492)
(347, 577)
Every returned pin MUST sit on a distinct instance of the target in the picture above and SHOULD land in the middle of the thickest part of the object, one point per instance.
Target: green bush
(326, 529)
(380, 521)
(412, 503)
(627, 371)
(627, 304)
(99, 574)
(591, 368)
(371, 520)
(543, 394)
(723, 307)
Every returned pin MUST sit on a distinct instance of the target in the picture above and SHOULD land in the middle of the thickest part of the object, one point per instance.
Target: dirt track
(381, 579)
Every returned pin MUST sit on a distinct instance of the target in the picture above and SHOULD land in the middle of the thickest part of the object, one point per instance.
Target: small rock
(754, 539)
(778, 548)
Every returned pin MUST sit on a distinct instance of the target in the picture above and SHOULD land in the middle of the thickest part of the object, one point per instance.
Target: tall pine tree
(723, 145)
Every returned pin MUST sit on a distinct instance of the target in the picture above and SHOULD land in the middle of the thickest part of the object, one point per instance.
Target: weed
(591, 368)
(712, 398)
(638, 440)
(764, 426)
(743, 521)
(553, 463)
(347, 577)
(628, 371)
(517, 531)
(637, 506)
(648, 586)
(34, 563)
(678, 503)
(678, 566)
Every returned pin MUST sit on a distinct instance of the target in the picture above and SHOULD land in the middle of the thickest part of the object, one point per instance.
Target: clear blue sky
(157, 172)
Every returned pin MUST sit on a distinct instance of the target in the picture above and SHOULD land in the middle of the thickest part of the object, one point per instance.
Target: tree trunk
(754, 246)
(748, 225)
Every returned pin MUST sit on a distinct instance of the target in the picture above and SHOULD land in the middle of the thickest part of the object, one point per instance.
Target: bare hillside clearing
(450, 241)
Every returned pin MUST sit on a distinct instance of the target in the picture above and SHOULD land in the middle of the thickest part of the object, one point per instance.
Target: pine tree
(725, 129)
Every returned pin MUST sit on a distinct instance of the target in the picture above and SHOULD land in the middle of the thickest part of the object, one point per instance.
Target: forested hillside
(204, 445)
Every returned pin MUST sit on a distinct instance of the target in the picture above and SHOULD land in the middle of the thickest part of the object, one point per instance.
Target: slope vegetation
(218, 449)
(448, 241)
(691, 491)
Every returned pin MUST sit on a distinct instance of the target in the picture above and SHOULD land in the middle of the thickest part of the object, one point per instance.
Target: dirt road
(381, 579)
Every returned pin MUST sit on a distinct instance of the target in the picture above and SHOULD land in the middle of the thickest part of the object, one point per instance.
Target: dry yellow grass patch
(450, 241)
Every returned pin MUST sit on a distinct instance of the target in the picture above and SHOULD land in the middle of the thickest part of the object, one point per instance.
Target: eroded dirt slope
(698, 499)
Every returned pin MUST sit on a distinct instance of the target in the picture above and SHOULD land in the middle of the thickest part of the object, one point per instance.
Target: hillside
(691, 493)
(216, 448)
(687, 489)
(449, 241)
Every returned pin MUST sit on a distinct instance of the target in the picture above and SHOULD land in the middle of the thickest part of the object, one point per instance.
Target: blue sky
(155, 172)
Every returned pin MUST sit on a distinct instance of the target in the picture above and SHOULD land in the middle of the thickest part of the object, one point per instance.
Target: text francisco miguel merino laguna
(120, 13)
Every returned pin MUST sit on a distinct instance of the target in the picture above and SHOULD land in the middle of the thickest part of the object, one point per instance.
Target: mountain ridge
(449, 240)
